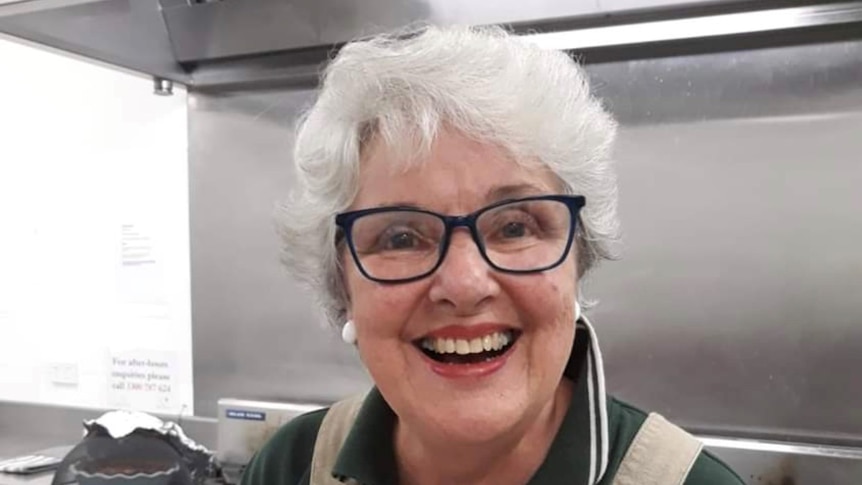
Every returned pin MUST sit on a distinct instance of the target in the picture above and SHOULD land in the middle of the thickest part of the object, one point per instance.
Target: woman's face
(464, 298)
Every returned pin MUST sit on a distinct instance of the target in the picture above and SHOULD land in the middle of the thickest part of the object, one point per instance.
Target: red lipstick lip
(467, 332)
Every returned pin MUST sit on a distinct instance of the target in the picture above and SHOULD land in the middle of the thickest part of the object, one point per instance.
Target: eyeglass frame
(345, 221)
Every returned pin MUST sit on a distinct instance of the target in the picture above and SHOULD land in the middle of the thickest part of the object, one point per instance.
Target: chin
(480, 421)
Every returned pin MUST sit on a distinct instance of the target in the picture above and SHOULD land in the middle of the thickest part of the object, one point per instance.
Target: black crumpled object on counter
(129, 448)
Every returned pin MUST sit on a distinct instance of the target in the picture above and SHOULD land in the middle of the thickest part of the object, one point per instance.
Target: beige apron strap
(660, 454)
(333, 432)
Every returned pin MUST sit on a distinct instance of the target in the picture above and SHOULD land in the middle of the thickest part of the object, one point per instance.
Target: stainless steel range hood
(221, 43)
(130, 34)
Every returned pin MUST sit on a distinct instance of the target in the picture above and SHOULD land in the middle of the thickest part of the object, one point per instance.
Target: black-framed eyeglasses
(402, 244)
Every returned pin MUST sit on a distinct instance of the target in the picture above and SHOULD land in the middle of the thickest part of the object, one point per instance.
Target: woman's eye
(513, 230)
(401, 240)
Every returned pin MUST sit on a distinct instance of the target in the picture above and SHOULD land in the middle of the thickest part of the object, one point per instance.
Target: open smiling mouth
(464, 351)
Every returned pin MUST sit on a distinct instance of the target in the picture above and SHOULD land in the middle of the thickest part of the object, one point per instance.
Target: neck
(429, 459)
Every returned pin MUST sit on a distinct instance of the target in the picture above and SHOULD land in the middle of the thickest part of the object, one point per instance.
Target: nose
(464, 281)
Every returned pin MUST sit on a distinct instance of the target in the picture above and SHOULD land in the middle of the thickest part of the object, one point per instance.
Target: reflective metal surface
(734, 308)
(245, 426)
(16, 7)
(26, 427)
(734, 311)
(701, 27)
(185, 41)
(163, 87)
(127, 33)
(825, 451)
(228, 29)
(771, 86)
(726, 285)
(779, 468)
(593, 39)
(735, 304)
(255, 333)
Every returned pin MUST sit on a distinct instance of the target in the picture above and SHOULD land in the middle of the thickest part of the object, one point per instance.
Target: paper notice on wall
(141, 271)
(136, 246)
(143, 380)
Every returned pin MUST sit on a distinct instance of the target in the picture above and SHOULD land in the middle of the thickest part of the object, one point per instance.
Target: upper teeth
(494, 341)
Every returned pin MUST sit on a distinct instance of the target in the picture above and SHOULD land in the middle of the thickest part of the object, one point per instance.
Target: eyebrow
(407, 205)
(496, 194)
(514, 191)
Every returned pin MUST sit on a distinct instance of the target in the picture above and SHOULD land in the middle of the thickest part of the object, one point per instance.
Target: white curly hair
(486, 83)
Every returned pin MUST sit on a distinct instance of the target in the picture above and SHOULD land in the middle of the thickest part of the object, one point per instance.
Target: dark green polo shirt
(368, 455)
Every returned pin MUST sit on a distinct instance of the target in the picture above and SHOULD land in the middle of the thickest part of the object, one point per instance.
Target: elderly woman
(454, 186)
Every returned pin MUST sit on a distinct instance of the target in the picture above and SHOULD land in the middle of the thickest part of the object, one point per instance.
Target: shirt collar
(578, 454)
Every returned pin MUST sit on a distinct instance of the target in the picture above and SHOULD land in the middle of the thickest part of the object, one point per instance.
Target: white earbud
(348, 333)
(577, 311)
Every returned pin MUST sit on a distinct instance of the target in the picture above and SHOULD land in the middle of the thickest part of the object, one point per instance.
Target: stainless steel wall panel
(820, 79)
(735, 309)
(255, 332)
(736, 304)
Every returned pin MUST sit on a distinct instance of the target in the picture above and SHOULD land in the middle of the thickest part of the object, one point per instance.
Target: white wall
(94, 244)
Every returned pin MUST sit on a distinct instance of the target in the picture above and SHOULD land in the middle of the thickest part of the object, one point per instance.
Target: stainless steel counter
(38, 479)
(35, 479)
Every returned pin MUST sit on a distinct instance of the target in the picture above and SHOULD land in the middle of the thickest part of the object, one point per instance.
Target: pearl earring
(348, 333)
(577, 311)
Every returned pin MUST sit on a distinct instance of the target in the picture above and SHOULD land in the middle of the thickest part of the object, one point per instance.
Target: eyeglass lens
(518, 236)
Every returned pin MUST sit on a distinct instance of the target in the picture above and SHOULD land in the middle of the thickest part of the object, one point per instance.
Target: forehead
(457, 173)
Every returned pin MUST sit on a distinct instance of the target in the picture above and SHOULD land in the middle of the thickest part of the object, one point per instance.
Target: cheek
(556, 291)
(380, 310)
(543, 304)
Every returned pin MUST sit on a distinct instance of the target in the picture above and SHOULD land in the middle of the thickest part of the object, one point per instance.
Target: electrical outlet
(63, 374)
